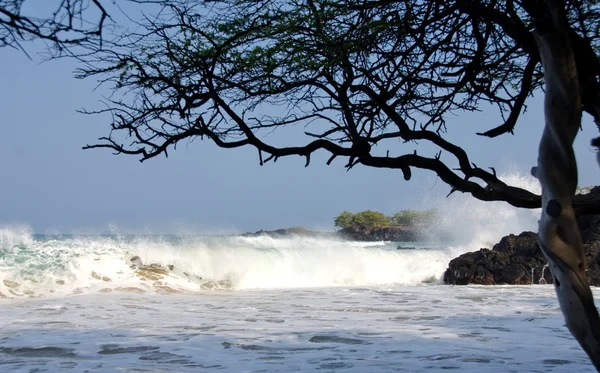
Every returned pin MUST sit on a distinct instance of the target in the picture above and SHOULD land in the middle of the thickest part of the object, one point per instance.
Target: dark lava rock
(386, 233)
(518, 260)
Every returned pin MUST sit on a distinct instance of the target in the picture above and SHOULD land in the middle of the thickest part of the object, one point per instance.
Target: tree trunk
(558, 234)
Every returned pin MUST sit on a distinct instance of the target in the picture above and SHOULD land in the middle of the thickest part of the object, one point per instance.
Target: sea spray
(57, 266)
(12, 236)
(469, 224)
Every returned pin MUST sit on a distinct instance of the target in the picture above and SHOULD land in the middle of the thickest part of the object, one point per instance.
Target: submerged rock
(11, 284)
(130, 289)
(97, 276)
(158, 273)
(518, 260)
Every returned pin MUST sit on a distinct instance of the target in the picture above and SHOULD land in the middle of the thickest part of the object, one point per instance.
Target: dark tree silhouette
(63, 24)
(359, 74)
(71, 22)
(363, 77)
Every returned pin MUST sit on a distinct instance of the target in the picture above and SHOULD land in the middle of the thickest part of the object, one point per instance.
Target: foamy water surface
(239, 304)
(195, 303)
(424, 328)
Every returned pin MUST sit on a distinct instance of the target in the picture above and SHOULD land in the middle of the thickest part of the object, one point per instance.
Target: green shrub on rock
(363, 219)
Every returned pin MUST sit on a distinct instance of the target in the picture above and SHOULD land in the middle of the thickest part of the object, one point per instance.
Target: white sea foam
(375, 329)
(67, 265)
(54, 265)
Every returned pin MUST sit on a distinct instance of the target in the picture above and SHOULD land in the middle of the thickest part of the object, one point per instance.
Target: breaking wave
(57, 265)
(36, 265)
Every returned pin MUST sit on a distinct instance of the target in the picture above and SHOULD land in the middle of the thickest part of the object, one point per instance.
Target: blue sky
(51, 185)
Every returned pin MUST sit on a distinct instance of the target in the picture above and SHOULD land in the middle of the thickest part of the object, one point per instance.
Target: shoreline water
(417, 328)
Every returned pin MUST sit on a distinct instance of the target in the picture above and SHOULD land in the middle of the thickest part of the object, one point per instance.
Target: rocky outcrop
(386, 233)
(514, 260)
(517, 260)
(389, 233)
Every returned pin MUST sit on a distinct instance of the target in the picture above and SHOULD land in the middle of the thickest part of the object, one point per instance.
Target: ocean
(150, 303)
(210, 303)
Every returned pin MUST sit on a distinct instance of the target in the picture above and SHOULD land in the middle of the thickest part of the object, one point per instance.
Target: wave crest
(70, 265)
